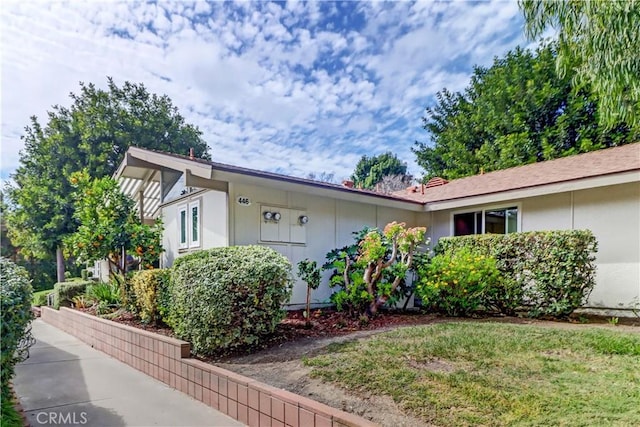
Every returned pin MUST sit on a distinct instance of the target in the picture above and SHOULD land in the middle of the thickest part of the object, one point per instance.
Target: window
(194, 219)
(183, 226)
(189, 225)
(494, 221)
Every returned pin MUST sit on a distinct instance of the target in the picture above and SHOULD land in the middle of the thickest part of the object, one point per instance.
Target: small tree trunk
(308, 320)
(60, 264)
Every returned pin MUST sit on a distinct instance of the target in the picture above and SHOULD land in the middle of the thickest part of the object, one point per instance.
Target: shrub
(40, 297)
(64, 292)
(549, 272)
(457, 283)
(372, 272)
(15, 311)
(151, 294)
(225, 297)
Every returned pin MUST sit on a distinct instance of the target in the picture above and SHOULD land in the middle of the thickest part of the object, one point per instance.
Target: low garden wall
(168, 360)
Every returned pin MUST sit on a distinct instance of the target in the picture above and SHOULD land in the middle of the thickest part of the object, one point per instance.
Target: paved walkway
(67, 383)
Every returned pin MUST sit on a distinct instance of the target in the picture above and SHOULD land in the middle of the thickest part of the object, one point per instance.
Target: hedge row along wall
(553, 271)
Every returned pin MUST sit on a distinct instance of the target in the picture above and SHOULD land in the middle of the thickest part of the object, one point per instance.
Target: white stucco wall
(330, 225)
(612, 213)
(214, 227)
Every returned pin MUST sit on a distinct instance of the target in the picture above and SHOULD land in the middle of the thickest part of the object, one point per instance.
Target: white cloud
(300, 87)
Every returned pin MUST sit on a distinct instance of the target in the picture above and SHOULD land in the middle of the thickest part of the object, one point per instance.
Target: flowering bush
(457, 283)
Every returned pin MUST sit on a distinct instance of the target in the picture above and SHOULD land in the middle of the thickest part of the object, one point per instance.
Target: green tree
(109, 226)
(370, 170)
(600, 41)
(93, 133)
(517, 111)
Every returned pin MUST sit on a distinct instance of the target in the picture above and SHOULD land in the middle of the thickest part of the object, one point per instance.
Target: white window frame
(194, 243)
(484, 209)
(183, 209)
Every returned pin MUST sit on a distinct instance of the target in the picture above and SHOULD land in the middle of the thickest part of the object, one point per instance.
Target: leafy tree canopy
(517, 111)
(108, 224)
(370, 170)
(92, 134)
(599, 41)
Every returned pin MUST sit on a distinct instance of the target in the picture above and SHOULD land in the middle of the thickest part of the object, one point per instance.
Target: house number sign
(243, 201)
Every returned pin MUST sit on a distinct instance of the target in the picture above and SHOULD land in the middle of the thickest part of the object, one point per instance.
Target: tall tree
(600, 41)
(93, 133)
(370, 170)
(515, 112)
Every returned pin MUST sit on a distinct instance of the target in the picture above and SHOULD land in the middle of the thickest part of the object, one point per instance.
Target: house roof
(625, 158)
(141, 169)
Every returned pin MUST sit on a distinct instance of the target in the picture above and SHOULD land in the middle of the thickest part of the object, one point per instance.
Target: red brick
(243, 394)
(254, 418)
(198, 392)
(291, 416)
(243, 413)
(322, 421)
(276, 423)
(206, 396)
(222, 386)
(306, 417)
(265, 420)
(192, 388)
(277, 409)
(254, 399)
(223, 403)
(215, 400)
(232, 390)
(191, 372)
(265, 403)
(184, 370)
(198, 376)
(206, 379)
(214, 383)
(232, 409)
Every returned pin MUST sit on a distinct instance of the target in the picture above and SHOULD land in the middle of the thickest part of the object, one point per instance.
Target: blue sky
(290, 87)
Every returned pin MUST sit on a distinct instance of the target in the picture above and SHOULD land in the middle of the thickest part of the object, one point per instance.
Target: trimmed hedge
(64, 292)
(225, 297)
(547, 272)
(15, 309)
(151, 289)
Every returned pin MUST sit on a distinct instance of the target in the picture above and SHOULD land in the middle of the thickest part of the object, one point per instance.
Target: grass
(463, 374)
(10, 417)
(40, 298)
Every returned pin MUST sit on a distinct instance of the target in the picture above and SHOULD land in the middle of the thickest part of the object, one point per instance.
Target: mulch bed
(329, 323)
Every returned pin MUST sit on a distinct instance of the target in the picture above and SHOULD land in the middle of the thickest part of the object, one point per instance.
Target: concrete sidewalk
(67, 383)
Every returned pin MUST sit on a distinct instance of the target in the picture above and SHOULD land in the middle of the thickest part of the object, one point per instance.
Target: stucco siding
(613, 214)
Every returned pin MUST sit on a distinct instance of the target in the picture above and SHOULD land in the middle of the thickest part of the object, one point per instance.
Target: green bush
(225, 297)
(457, 283)
(64, 292)
(151, 288)
(546, 272)
(40, 297)
(15, 311)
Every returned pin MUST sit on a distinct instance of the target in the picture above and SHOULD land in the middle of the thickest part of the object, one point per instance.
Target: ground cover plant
(470, 373)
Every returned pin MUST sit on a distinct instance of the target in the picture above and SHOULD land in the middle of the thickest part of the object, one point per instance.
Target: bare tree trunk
(60, 263)
(308, 319)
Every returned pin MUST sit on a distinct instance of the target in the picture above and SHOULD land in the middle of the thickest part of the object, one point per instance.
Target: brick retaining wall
(168, 360)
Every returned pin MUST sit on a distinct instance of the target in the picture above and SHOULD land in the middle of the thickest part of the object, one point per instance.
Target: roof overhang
(522, 193)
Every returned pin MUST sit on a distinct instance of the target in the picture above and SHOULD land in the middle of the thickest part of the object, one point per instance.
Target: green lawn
(492, 374)
(40, 297)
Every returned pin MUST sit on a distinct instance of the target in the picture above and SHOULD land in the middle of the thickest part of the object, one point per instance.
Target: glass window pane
(194, 224)
(512, 220)
(464, 224)
(183, 226)
(495, 222)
